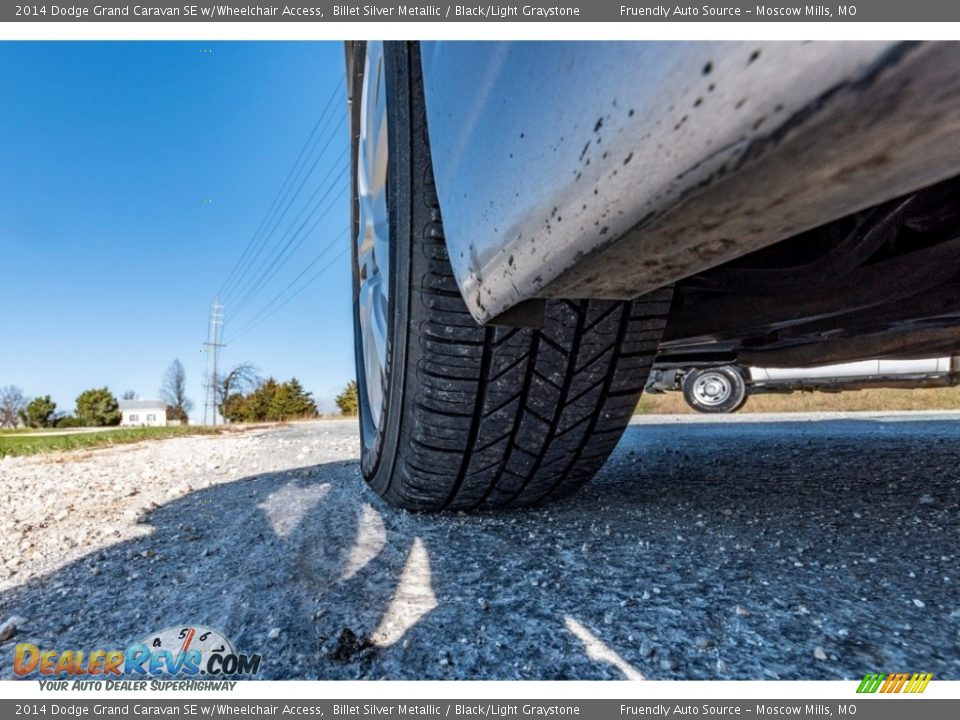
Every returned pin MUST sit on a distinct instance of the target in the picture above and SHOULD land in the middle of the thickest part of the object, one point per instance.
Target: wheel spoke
(373, 238)
(712, 388)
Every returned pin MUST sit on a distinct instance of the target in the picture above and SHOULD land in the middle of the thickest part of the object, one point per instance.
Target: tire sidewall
(378, 446)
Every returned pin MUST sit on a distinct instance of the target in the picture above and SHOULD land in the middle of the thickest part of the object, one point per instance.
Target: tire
(715, 390)
(474, 416)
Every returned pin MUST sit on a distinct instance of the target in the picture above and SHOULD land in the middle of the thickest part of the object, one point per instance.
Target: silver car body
(610, 169)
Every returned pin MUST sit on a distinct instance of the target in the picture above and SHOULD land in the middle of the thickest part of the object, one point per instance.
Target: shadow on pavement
(774, 550)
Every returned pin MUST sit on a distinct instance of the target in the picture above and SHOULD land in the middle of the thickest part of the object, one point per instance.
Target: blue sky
(132, 177)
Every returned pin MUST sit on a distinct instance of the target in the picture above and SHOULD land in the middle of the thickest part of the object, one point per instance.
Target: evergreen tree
(349, 400)
(98, 408)
(39, 413)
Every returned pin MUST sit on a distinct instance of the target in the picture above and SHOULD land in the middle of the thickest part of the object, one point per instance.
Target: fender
(609, 169)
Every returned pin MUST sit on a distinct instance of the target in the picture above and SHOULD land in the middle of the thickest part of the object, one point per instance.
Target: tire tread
(502, 416)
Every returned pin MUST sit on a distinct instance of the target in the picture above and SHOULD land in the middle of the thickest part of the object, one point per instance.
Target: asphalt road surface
(749, 547)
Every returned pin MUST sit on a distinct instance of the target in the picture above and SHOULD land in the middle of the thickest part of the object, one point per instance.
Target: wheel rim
(373, 235)
(712, 389)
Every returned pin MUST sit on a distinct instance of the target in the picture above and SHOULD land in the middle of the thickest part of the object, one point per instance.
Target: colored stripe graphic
(894, 682)
(919, 682)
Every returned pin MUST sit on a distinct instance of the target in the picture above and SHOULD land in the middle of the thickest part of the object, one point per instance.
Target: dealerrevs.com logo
(190, 651)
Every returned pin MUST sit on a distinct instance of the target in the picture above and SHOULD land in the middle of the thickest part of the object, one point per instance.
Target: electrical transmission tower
(212, 345)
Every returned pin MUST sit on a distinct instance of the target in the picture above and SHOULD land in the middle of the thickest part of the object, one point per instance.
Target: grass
(21, 443)
(25, 442)
(880, 399)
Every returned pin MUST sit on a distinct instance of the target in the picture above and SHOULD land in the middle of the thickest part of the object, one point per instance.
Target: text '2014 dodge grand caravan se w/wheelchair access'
(535, 222)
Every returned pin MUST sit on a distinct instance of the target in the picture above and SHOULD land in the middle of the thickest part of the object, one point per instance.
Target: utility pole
(212, 345)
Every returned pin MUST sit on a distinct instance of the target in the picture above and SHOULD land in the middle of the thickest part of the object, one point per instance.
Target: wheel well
(881, 282)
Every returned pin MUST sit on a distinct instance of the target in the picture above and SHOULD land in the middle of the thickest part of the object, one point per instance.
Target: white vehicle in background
(725, 388)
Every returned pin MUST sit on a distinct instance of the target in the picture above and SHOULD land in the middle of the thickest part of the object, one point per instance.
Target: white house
(143, 413)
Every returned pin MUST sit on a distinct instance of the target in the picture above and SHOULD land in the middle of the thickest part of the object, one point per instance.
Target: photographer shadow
(743, 551)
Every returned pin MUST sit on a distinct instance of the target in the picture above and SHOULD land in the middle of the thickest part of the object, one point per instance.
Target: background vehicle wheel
(715, 390)
(453, 414)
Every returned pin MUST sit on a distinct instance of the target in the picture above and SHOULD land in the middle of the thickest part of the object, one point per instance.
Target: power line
(263, 257)
(289, 250)
(303, 272)
(303, 287)
(241, 279)
(284, 187)
(241, 284)
(286, 251)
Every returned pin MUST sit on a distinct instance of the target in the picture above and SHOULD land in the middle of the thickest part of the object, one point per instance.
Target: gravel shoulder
(766, 547)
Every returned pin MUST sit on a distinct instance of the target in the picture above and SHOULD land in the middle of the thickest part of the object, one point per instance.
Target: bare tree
(12, 403)
(240, 380)
(129, 395)
(173, 392)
